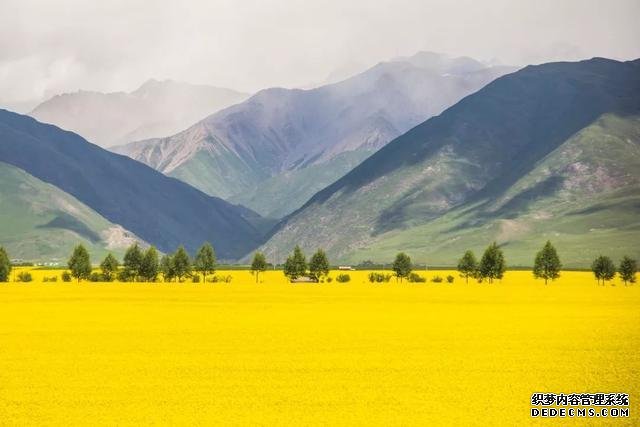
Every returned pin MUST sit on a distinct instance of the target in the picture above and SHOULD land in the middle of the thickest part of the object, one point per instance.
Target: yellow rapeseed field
(276, 353)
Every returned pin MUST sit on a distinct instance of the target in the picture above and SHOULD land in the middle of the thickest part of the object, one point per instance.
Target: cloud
(51, 47)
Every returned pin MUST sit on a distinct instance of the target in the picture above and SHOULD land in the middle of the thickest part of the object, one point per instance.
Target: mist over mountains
(274, 150)
(156, 108)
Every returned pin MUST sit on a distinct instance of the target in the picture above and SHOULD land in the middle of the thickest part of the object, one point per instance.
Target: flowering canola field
(276, 353)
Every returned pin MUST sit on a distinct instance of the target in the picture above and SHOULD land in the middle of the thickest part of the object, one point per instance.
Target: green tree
(80, 263)
(547, 263)
(181, 263)
(628, 269)
(132, 261)
(205, 261)
(296, 264)
(468, 266)
(5, 265)
(402, 266)
(166, 268)
(259, 264)
(492, 265)
(109, 267)
(603, 269)
(319, 265)
(149, 265)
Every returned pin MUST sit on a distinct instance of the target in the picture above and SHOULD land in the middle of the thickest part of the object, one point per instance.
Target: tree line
(546, 265)
(146, 265)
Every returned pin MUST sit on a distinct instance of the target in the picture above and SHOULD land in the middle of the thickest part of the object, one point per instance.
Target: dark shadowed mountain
(276, 149)
(155, 109)
(159, 210)
(40, 222)
(548, 152)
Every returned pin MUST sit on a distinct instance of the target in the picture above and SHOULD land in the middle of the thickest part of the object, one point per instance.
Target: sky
(50, 47)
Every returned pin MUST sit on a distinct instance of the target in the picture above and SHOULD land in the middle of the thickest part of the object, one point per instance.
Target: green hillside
(275, 196)
(39, 222)
(549, 152)
(584, 196)
(211, 170)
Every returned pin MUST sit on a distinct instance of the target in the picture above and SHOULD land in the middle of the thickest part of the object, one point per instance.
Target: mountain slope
(40, 222)
(157, 108)
(160, 210)
(547, 152)
(252, 153)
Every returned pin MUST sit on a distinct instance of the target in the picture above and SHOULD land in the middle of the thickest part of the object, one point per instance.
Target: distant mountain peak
(442, 63)
(151, 83)
(157, 108)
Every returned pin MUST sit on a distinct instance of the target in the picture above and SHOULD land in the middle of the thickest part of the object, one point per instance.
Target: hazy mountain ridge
(279, 130)
(160, 210)
(466, 165)
(156, 108)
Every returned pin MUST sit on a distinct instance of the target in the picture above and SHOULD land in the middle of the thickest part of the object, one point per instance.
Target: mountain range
(157, 108)
(276, 149)
(59, 189)
(548, 152)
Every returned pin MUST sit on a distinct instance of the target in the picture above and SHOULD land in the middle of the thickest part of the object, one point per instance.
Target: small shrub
(437, 279)
(450, 279)
(25, 276)
(416, 278)
(376, 277)
(221, 279)
(195, 278)
(50, 279)
(95, 277)
(329, 279)
(379, 277)
(66, 276)
(343, 278)
(123, 276)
